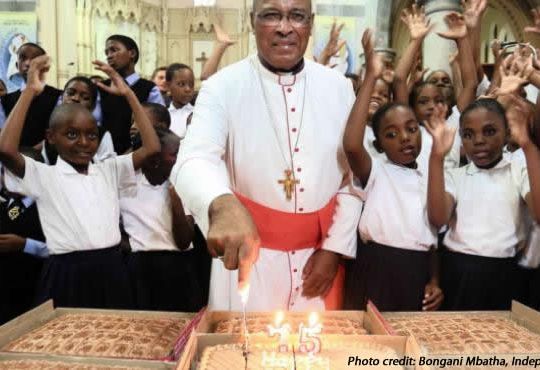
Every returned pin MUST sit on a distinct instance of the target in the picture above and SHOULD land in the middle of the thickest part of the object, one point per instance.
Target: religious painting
(345, 60)
(16, 28)
(201, 50)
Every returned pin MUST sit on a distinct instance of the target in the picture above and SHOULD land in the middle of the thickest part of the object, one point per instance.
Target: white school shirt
(395, 209)
(530, 253)
(77, 212)
(179, 118)
(236, 143)
(147, 217)
(489, 219)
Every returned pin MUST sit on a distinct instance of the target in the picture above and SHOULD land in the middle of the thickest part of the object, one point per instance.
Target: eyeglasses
(273, 18)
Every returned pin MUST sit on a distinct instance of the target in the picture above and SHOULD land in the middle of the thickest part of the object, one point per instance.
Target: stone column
(436, 50)
(66, 41)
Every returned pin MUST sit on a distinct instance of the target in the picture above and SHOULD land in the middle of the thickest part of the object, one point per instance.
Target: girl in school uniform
(395, 261)
(77, 199)
(483, 203)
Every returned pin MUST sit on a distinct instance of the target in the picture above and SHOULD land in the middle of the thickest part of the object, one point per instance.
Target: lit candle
(282, 330)
(310, 342)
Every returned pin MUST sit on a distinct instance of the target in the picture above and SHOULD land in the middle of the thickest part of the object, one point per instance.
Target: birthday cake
(466, 333)
(102, 335)
(259, 323)
(334, 355)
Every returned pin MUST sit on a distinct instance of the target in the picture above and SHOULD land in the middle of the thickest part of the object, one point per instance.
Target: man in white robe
(267, 119)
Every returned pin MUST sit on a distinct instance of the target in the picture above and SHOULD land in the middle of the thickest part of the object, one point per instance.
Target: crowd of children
(448, 168)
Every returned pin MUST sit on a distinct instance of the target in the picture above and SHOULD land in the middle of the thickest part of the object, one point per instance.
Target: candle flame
(313, 319)
(244, 293)
(279, 318)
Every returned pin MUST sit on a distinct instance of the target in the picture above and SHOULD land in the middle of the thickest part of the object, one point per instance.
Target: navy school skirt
(89, 279)
(394, 279)
(165, 281)
(472, 282)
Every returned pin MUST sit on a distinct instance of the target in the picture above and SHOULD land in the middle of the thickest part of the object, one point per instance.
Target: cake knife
(244, 294)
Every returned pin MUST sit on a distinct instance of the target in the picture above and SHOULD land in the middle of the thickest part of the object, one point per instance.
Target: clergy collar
(472, 169)
(283, 78)
(68, 169)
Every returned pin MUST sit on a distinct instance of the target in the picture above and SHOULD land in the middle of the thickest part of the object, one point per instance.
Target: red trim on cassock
(289, 232)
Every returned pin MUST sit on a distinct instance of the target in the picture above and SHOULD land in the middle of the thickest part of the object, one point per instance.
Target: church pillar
(47, 31)
(436, 50)
(66, 41)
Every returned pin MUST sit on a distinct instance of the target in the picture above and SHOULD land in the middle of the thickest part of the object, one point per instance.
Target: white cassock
(238, 143)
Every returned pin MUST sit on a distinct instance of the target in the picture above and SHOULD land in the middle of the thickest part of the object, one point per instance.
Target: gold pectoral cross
(289, 184)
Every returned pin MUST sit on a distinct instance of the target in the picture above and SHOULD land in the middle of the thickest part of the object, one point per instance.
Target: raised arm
(223, 41)
(353, 139)
(457, 30)
(150, 142)
(440, 204)
(519, 130)
(419, 27)
(473, 11)
(10, 136)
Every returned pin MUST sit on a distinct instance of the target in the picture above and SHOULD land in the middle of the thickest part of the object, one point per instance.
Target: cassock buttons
(296, 150)
(299, 169)
(293, 129)
(300, 209)
(295, 270)
(293, 109)
(293, 252)
(289, 89)
(301, 190)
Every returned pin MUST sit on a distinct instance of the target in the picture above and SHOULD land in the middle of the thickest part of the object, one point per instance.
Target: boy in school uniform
(181, 82)
(122, 55)
(42, 106)
(160, 235)
(78, 200)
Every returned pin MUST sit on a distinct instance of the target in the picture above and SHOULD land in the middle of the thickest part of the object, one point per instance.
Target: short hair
(353, 76)
(91, 86)
(159, 113)
(167, 137)
(491, 105)
(65, 112)
(158, 69)
(436, 71)
(379, 115)
(34, 45)
(256, 2)
(128, 42)
(171, 70)
(415, 92)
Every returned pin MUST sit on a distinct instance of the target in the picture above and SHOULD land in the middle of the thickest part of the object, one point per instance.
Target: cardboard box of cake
(479, 339)
(26, 361)
(337, 352)
(138, 335)
(334, 322)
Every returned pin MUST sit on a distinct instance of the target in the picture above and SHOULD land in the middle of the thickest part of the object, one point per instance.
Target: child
(77, 199)
(180, 81)
(40, 110)
(483, 204)
(80, 90)
(396, 268)
(160, 236)
(122, 55)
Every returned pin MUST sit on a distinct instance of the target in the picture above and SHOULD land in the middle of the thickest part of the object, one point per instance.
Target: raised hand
(118, 85)
(515, 71)
(473, 11)
(374, 63)
(536, 17)
(443, 135)
(35, 80)
(415, 19)
(517, 114)
(223, 37)
(334, 44)
(456, 27)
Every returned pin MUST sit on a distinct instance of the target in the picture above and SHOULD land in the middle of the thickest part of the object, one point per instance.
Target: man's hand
(10, 243)
(319, 273)
(233, 235)
(433, 296)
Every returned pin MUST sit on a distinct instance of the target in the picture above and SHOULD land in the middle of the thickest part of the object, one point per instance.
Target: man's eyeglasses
(273, 18)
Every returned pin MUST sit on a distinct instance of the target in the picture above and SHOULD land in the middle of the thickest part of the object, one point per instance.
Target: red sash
(288, 232)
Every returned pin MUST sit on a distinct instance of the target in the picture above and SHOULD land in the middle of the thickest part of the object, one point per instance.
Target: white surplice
(238, 144)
